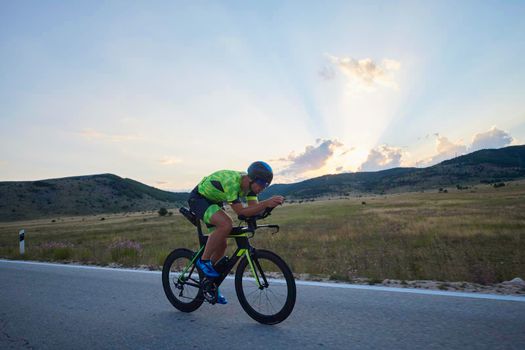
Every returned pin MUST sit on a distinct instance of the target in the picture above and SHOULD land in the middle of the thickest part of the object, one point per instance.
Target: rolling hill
(484, 166)
(81, 195)
(107, 193)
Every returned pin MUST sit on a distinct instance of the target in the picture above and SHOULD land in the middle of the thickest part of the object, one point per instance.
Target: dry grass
(475, 235)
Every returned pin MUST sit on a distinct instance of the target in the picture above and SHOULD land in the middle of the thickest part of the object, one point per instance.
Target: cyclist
(230, 186)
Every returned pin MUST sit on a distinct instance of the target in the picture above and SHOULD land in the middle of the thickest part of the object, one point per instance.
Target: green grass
(456, 236)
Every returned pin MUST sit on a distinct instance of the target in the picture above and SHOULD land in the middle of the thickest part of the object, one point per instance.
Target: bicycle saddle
(189, 215)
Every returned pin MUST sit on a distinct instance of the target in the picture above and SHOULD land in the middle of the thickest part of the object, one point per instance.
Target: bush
(163, 211)
(57, 250)
(126, 251)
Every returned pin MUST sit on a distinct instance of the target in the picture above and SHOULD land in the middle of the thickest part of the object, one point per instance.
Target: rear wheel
(181, 281)
(267, 292)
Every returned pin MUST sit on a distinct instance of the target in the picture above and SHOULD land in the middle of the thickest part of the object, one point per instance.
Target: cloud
(494, 138)
(446, 149)
(365, 74)
(170, 161)
(381, 158)
(91, 135)
(348, 150)
(313, 157)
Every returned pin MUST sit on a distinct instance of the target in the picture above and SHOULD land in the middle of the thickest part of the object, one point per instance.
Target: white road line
(298, 282)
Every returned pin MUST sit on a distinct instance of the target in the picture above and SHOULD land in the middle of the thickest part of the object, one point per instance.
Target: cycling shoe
(221, 299)
(206, 267)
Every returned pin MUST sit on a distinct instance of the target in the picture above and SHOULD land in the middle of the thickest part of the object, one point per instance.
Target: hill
(81, 195)
(484, 166)
(107, 193)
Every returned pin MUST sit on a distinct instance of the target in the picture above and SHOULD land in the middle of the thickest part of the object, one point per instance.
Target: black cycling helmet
(261, 173)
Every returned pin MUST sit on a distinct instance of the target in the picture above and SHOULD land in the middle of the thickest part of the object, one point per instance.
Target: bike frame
(241, 236)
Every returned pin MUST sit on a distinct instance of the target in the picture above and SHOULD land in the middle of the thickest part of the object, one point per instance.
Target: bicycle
(264, 284)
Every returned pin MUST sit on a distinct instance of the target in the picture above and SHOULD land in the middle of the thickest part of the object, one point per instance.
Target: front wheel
(181, 280)
(265, 287)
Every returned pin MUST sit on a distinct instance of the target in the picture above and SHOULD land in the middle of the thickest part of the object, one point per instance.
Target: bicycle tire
(173, 293)
(264, 260)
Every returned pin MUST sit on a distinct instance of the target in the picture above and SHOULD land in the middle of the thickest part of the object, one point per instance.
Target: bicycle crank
(210, 291)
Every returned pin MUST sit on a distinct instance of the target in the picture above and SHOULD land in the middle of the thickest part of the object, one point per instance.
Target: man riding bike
(206, 201)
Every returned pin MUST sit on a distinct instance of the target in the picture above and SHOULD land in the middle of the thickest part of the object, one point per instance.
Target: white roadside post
(21, 235)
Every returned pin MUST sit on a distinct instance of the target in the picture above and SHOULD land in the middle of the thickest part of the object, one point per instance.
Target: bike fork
(255, 266)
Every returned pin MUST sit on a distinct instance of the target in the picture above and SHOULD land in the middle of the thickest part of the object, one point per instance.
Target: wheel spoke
(276, 292)
(272, 298)
(255, 290)
(185, 288)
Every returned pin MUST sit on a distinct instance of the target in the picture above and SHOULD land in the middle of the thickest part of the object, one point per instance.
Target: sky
(166, 92)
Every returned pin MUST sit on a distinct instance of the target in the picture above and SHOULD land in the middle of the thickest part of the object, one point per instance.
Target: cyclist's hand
(275, 201)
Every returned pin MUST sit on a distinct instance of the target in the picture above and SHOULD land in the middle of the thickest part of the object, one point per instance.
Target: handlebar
(252, 222)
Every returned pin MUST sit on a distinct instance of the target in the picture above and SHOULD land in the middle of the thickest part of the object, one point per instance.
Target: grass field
(475, 235)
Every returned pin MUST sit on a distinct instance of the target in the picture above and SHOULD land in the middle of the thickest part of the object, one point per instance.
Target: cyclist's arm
(251, 199)
(255, 209)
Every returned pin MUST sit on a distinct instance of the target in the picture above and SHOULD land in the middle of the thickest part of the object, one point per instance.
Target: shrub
(57, 250)
(125, 251)
(163, 211)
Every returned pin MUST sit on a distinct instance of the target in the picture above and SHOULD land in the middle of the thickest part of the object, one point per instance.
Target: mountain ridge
(483, 166)
(109, 193)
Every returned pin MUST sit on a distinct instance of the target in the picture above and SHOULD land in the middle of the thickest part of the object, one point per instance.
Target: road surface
(52, 306)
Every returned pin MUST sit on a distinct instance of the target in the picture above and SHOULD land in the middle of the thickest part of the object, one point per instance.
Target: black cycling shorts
(203, 207)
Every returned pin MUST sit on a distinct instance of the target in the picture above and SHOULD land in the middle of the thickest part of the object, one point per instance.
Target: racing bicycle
(264, 283)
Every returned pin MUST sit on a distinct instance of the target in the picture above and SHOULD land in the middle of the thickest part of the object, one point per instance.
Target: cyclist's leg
(217, 241)
(212, 214)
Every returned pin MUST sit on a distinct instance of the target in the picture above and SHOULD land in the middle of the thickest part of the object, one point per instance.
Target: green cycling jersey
(224, 186)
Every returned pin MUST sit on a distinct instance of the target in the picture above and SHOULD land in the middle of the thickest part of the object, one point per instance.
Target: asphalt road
(45, 306)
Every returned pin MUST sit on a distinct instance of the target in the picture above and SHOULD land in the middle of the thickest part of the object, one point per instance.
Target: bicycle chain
(210, 291)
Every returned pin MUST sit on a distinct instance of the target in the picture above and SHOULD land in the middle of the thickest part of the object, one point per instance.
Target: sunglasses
(262, 183)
